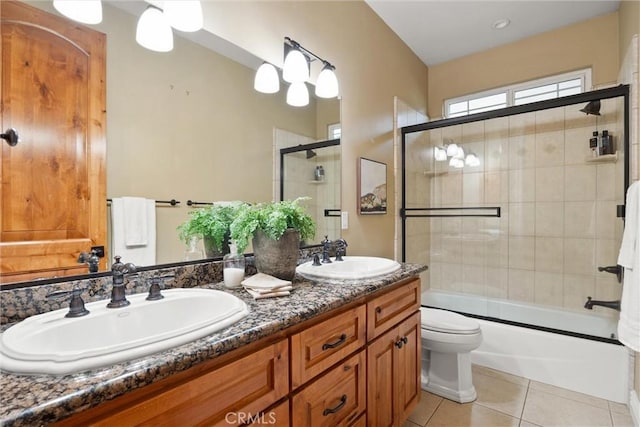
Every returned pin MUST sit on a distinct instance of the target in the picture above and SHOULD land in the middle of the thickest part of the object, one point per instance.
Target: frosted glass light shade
(440, 154)
(456, 163)
(472, 160)
(296, 67)
(452, 150)
(85, 11)
(298, 95)
(153, 31)
(267, 80)
(184, 15)
(327, 84)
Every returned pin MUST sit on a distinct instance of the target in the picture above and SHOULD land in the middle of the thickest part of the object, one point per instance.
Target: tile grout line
(524, 404)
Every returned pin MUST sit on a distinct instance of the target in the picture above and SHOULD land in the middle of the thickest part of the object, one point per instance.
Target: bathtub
(588, 366)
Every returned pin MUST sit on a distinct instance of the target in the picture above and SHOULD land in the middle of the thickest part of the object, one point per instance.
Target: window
(533, 91)
(334, 131)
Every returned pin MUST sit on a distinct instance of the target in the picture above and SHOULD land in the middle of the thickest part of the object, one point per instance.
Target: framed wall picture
(372, 187)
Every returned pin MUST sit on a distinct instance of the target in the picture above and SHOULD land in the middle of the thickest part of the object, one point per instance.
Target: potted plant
(276, 229)
(212, 225)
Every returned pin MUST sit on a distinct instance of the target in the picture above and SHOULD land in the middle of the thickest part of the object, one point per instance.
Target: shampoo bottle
(607, 143)
(593, 144)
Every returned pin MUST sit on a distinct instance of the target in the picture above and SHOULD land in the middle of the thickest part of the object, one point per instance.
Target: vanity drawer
(335, 399)
(389, 309)
(325, 344)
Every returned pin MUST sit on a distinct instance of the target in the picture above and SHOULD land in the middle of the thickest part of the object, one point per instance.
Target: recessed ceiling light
(501, 23)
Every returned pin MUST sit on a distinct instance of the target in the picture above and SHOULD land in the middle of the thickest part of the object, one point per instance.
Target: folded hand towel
(268, 291)
(629, 258)
(140, 255)
(135, 220)
(264, 281)
(258, 295)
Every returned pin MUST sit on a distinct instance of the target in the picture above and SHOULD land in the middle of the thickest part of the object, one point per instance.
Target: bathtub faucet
(615, 305)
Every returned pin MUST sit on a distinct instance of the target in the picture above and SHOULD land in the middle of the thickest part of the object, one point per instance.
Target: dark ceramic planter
(277, 258)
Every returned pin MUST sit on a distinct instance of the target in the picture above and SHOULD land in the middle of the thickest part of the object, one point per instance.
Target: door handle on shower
(613, 269)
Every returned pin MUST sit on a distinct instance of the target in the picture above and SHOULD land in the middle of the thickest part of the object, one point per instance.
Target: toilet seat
(447, 322)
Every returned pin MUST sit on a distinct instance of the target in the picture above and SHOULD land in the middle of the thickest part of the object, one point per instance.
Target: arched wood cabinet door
(53, 196)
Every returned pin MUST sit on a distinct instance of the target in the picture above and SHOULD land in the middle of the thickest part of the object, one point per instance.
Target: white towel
(262, 285)
(135, 220)
(629, 258)
(141, 255)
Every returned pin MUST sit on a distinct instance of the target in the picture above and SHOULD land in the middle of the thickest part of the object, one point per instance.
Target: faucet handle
(155, 288)
(76, 303)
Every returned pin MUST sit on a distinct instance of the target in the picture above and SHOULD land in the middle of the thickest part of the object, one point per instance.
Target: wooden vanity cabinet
(358, 365)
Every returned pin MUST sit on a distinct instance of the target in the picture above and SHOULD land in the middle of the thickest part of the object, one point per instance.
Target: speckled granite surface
(42, 399)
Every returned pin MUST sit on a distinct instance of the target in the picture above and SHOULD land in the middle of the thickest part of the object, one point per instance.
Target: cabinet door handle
(404, 340)
(378, 310)
(399, 343)
(340, 341)
(329, 411)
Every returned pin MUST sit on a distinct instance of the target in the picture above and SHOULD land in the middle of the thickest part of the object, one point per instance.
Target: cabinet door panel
(381, 380)
(53, 197)
(407, 366)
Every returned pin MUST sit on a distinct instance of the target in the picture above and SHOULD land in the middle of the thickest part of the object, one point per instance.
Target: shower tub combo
(577, 358)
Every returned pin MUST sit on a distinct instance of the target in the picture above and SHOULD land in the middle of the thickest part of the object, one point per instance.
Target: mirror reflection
(188, 125)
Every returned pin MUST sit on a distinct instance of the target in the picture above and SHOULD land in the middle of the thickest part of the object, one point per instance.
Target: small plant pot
(277, 258)
(210, 249)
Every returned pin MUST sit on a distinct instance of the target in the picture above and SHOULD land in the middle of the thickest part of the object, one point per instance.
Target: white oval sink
(353, 267)
(50, 343)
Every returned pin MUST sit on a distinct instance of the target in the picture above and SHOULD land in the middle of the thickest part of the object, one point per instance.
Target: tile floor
(509, 400)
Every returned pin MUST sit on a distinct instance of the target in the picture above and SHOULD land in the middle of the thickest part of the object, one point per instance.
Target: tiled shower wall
(558, 207)
(299, 181)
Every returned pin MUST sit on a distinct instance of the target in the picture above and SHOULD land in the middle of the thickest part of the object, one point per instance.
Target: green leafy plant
(213, 222)
(273, 218)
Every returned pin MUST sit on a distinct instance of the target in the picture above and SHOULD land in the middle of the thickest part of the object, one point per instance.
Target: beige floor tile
(410, 424)
(502, 395)
(483, 370)
(573, 395)
(426, 407)
(550, 410)
(619, 408)
(450, 414)
(622, 420)
(524, 423)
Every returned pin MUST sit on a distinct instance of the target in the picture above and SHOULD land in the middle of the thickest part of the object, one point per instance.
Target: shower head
(311, 154)
(593, 107)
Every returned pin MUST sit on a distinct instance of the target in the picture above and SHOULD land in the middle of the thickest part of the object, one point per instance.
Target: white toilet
(447, 340)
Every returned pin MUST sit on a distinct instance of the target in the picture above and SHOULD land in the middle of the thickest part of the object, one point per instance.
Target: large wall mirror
(188, 125)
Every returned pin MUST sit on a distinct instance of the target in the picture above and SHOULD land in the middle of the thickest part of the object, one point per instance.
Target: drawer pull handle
(402, 341)
(329, 411)
(378, 310)
(339, 342)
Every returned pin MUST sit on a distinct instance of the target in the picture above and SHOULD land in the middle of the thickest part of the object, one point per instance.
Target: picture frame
(372, 187)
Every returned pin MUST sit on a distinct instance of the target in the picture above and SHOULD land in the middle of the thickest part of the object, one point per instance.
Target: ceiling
(441, 30)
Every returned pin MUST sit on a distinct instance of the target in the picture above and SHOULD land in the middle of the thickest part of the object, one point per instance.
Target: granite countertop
(27, 400)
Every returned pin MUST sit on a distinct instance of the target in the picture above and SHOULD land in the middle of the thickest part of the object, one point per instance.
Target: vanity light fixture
(153, 30)
(296, 70)
(267, 80)
(456, 155)
(85, 11)
(184, 15)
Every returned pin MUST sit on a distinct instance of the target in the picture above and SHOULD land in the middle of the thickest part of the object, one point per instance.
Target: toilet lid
(447, 322)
